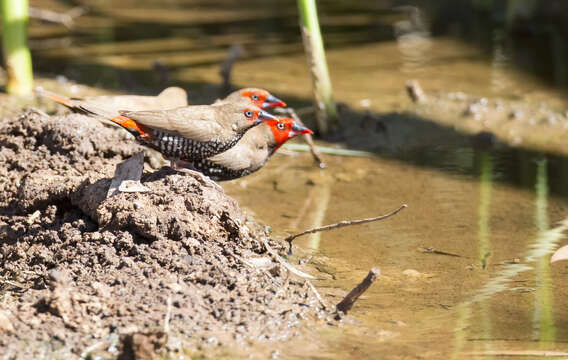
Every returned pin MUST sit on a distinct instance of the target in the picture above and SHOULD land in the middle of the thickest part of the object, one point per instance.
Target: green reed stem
(326, 110)
(17, 56)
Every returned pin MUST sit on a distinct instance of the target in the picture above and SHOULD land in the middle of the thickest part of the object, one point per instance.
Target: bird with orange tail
(251, 153)
(193, 132)
(110, 105)
(170, 98)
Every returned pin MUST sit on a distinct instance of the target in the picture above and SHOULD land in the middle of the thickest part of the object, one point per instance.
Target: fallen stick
(431, 250)
(347, 303)
(340, 224)
(317, 295)
(235, 52)
(66, 19)
(329, 150)
(284, 263)
(307, 137)
(168, 315)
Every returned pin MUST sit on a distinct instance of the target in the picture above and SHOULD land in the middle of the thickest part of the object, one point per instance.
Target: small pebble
(411, 273)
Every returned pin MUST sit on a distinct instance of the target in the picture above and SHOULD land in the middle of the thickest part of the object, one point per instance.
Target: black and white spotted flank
(219, 172)
(175, 146)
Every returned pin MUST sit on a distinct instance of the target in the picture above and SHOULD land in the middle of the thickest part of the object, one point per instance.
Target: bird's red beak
(273, 101)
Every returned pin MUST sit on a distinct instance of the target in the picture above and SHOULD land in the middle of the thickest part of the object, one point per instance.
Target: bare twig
(14, 284)
(306, 110)
(85, 354)
(341, 224)
(33, 217)
(65, 19)
(282, 288)
(329, 150)
(415, 92)
(431, 250)
(284, 263)
(168, 315)
(236, 51)
(347, 303)
(317, 295)
(307, 137)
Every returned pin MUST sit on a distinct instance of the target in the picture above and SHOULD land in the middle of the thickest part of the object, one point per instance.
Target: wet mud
(133, 275)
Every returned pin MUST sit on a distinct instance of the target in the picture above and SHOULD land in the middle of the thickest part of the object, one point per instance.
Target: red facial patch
(261, 97)
(280, 130)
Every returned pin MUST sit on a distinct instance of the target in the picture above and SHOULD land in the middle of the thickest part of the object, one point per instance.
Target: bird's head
(258, 97)
(284, 129)
(255, 116)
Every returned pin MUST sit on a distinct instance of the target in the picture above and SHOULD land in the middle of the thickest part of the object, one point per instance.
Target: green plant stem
(17, 56)
(326, 110)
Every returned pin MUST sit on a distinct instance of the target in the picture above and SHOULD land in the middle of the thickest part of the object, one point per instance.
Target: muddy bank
(138, 273)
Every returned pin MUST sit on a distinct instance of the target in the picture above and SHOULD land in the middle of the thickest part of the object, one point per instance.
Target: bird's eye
(248, 113)
(280, 126)
(255, 97)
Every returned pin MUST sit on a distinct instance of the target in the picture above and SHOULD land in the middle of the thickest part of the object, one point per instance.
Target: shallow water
(493, 216)
(496, 212)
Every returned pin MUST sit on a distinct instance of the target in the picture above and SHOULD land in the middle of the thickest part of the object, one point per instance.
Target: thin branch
(329, 150)
(65, 19)
(284, 263)
(168, 315)
(347, 303)
(307, 137)
(341, 224)
(235, 52)
(415, 92)
(431, 250)
(317, 295)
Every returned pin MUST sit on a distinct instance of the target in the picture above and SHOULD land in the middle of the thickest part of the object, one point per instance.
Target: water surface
(465, 269)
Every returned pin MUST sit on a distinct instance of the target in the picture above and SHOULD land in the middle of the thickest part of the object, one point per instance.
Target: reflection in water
(318, 201)
(413, 39)
(485, 183)
(560, 57)
(484, 234)
(435, 178)
(543, 320)
(545, 242)
(500, 63)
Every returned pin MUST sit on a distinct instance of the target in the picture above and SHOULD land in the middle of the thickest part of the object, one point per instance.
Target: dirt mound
(131, 274)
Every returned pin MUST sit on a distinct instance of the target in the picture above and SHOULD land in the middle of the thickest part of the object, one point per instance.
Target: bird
(169, 98)
(193, 132)
(110, 105)
(259, 97)
(251, 153)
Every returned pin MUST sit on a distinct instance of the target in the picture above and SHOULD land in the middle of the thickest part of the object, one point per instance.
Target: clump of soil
(132, 274)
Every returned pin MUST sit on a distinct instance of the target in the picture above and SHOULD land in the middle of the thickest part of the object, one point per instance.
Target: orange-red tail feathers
(132, 126)
(57, 98)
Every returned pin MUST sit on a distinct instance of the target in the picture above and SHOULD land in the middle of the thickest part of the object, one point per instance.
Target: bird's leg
(187, 167)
